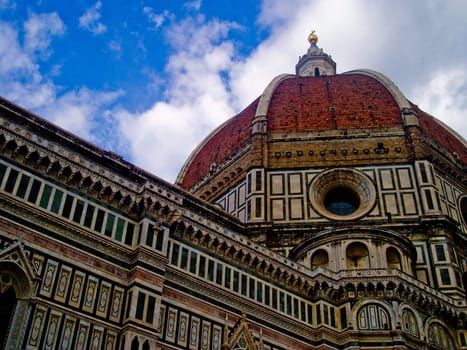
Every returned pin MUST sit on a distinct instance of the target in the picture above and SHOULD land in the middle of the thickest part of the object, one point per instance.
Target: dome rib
(265, 100)
(388, 83)
(219, 146)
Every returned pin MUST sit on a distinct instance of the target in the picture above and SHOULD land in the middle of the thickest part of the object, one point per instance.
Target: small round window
(341, 201)
(342, 194)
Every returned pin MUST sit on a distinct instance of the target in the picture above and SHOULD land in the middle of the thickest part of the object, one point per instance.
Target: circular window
(342, 194)
(341, 201)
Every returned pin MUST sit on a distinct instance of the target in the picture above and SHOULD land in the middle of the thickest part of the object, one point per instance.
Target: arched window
(357, 256)
(462, 337)
(463, 205)
(122, 347)
(373, 316)
(316, 72)
(135, 344)
(393, 258)
(320, 259)
(440, 337)
(409, 323)
(146, 345)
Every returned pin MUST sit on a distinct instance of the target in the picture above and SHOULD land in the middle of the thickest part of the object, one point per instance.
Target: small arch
(32, 158)
(393, 258)
(54, 168)
(157, 206)
(21, 153)
(439, 336)
(135, 344)
(10, 147)
(95, 188)
(65, 173)
(75, 178)
(165, 210)
(320, 258)
(43, 163)
(317, 74)
(409, 323)
(126, 201)
(105, 192)
(116, 197)
(357, 256)
(85, 184)
(146, 345)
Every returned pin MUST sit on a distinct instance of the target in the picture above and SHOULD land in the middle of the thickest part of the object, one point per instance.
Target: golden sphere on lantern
(312, 38)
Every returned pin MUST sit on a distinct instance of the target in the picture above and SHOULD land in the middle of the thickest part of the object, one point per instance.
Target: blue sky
(150, 79)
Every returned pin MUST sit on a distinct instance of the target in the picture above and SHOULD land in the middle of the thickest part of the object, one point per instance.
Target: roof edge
(196, 150)
(401, 100)
(445, 126)
(263, 105)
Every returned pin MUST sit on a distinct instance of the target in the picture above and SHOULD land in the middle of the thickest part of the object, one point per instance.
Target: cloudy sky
(148, 79)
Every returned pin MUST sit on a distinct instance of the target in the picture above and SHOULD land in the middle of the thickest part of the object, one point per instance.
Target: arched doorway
(7, 308)
(17, 280)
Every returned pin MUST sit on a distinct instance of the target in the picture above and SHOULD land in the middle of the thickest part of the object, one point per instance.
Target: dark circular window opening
(341, 201)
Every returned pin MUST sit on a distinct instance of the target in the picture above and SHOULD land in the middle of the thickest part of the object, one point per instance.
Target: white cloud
(290, 25)
(445, 94)
(39, 30)
(22, 81)
(77, 110)
(116, 47)
(55, 70)
(7, 4)
(157, 19)
(197, 98)
(13, 59)
(20, 77)
(407, 41)
(194, 5)
(208, 82)
(90, 20)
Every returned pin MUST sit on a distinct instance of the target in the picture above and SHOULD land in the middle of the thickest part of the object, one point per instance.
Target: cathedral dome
(317, 119)
(297, 113)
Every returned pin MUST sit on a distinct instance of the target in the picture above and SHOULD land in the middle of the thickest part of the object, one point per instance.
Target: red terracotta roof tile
(439, 133)
(331, 102)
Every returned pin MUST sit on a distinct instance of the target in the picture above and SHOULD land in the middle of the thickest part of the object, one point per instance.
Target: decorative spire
(315, 62)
